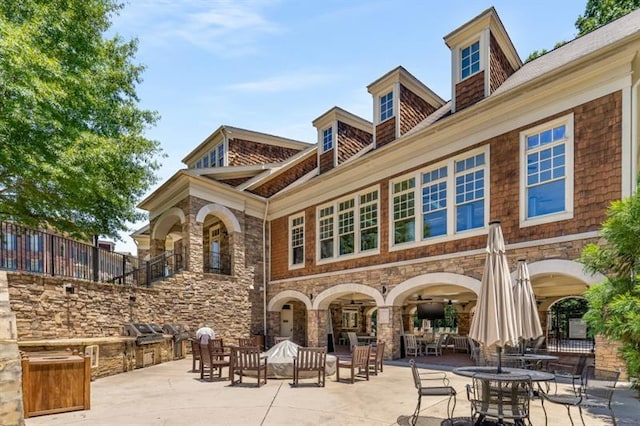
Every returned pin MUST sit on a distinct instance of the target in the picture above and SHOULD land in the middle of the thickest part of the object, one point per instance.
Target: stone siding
(11, 408)
(351, 141)
(500, 68)
(386, 132)
(246, 153)
(413, 109)
(607, 356)
(326, 161)
(281, 181)
(470, 91)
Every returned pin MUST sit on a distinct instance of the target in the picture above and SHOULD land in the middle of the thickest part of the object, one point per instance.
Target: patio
(169, 393)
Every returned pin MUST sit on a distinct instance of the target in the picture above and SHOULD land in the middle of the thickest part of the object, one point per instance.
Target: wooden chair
(310, 359)
(245, 359)
(195, 354)
(435, 348)
(376, 358)
(213, 359)
(411, 345)
(441, 389)
(245, 342)
(353, 339)
(596, 391)
(501, 398)
(359, 360)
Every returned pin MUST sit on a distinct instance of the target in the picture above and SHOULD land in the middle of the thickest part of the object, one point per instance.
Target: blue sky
(276, 65)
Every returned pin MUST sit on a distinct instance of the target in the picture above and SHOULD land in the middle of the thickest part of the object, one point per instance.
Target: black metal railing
(165, 265)
(218, 263)
(570, 345)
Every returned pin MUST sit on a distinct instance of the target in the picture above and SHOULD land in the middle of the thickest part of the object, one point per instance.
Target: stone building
(357, 228)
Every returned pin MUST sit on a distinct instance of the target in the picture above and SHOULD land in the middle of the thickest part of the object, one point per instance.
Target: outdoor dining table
(367, 339)
(506, 374)
(532, 359)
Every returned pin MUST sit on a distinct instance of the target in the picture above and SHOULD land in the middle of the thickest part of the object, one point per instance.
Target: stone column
(273, 326)
(317, 327)
(11, 410)
(237, 252)
(464, 323)
(390, 329)
(193, 245)
(156, 247)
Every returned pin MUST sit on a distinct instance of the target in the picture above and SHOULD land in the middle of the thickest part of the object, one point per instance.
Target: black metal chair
(596, 391)
(500, 396)
(442, 390)
(569, 372)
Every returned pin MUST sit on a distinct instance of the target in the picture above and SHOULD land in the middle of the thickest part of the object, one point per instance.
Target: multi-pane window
(327, 139)
(434, 203)
(546, 171)
(213, 158)
(470, 192)
(349, 226)
(404, 211)
(297, 240)
(470, 60)
(386, 106)
(369, 221)
(346, 227)
(326, 232)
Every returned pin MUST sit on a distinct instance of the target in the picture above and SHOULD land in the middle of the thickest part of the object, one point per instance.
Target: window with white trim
(327, 139)
(296, 226)
(386, 106)
(434, 203)
(326, 232)
(213, 158)
(404, 227)
(547, 172)
(470, 60)
(349, 226)
(470, 192)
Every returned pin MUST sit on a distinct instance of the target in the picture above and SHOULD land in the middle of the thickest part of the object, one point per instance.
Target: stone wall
(11, 412)
(607, 357)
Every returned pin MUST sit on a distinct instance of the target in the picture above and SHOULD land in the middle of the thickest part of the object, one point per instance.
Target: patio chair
(569, 372)
(353, 339)
(195, 354)
(442, 389)
(411, 346)
(376, 357)
(343, 339)
(435, 348)
(502, 397)
(213, 359)
(359, 360)
(536, 345)
(248, 359)
(596, 391)
(310, 359)
(474, 349)
(244, 342)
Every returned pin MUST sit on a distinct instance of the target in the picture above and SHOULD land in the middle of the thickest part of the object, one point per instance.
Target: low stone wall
(11, 412)
(606, 356)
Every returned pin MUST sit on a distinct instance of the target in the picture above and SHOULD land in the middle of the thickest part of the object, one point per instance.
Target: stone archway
(163, 228)
(298, 314)
(404, 289)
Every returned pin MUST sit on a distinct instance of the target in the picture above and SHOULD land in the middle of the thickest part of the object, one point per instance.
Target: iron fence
(218, 263)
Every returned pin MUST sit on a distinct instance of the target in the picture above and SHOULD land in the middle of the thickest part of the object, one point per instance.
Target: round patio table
(533, 360)
(507, 373)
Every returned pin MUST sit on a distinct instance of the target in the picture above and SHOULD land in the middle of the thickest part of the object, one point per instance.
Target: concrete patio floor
(170, 394)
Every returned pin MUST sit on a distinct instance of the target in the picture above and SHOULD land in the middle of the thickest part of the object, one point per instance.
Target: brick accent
(500, 68)
(326, 161)
(607, 356)
(350, 141)
(470, 91)
(245, 153)
(281, 181)
(386, 132)
(413, 109)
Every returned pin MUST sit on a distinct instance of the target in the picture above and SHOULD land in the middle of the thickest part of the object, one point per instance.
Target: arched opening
(566, 330)
(218, 225)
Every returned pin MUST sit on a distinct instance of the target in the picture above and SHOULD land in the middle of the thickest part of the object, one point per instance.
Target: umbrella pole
(499, 359)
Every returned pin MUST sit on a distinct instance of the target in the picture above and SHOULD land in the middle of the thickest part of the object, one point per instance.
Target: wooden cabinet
(55, 383)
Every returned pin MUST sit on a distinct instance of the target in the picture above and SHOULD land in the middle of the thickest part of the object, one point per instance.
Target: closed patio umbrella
(494, 322)
(528, 320)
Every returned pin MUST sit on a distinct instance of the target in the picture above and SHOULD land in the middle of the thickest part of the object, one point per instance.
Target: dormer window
(386, 106)
(327, 139)
(214, 158)
(470, 60)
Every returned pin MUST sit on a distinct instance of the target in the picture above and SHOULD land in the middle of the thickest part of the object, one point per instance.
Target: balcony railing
(218, 263)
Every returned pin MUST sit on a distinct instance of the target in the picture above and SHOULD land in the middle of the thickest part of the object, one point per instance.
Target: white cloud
(286, 82)
(223, 27)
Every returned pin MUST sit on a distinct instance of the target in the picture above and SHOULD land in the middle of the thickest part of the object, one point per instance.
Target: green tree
(72, 152)
(600, 12)
(596, 14)
(614, 304)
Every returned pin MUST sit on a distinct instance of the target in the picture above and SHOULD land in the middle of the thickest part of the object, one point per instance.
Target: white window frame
(213, 153)
(328, 147)
(393, 105)
(451, 234)
(358, 251)
(468, 45)
(292, 228)
(525, 221)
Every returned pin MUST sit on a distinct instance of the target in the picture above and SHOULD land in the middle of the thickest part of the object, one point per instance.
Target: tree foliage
(72, 152)
(614, 304)
(596, 14)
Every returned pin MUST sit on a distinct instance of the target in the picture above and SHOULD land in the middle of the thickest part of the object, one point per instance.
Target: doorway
(286, 321)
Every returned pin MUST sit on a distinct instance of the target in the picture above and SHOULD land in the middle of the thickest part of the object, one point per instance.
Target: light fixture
(450, 303)
(310, 296)
(384, 289)
(69, 289)
(419, 297)
(132, 299)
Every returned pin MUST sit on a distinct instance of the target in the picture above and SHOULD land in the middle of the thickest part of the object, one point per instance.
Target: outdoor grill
(179, 335)
(143, 333)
